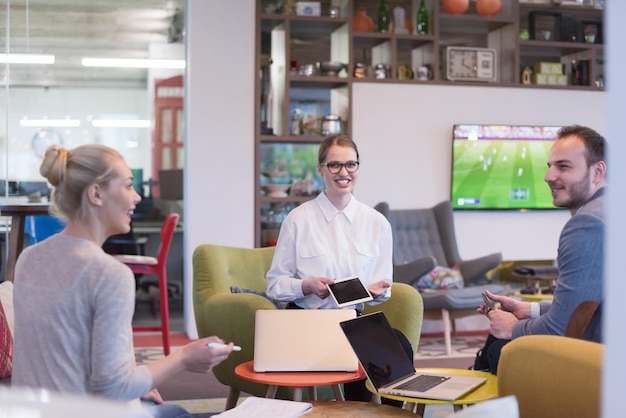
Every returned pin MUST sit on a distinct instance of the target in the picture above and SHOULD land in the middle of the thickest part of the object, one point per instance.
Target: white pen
(220, 345)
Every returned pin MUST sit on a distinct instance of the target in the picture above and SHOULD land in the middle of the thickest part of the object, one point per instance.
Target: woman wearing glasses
(331, 237)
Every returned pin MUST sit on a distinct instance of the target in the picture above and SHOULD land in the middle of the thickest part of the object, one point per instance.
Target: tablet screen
(349, 291)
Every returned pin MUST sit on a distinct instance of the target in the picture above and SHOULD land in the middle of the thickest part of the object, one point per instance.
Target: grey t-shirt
(73, 332)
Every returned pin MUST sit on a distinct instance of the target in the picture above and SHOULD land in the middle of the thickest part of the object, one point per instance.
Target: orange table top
(484, 392)
(296, 379)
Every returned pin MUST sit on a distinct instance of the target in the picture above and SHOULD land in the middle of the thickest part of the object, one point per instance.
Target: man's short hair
(595, 144)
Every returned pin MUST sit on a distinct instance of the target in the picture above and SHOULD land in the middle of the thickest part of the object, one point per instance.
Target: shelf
(301, 139)
(543, 48)
(317, 81)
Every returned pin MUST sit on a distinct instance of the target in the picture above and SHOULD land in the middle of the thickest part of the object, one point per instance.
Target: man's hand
(501, 323)
(379, 288)
(520, 309)
(316, 286)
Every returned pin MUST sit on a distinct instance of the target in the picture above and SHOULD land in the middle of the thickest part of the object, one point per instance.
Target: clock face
(471, 64)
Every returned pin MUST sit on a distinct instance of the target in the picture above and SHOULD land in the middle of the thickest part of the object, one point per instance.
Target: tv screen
(501, 167)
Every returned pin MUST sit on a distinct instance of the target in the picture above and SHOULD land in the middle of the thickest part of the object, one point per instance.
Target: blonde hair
(70, 172)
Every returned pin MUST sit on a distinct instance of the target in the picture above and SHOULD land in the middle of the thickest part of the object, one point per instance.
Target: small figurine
(398, 18)
(526, 75)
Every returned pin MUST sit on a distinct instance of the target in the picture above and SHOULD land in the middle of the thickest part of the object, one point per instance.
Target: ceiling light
(65, 123)
(120, 123)
(26, 59)
(133, 63)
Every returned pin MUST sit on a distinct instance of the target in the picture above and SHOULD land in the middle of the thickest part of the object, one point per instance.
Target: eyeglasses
(335, 167)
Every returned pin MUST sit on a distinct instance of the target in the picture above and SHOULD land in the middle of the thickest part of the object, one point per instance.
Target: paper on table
(267, 408)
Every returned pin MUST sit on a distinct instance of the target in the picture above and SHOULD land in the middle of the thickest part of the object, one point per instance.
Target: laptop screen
(380, 352)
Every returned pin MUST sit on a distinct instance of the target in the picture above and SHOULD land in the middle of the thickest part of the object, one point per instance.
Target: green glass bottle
(383, 17)
(422, 19)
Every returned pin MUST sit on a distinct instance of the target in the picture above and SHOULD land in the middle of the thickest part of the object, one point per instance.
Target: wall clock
(470, 64)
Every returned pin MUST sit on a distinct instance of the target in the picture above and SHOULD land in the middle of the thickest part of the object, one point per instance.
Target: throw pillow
(278, 304)
(6, 346)
(440, 278)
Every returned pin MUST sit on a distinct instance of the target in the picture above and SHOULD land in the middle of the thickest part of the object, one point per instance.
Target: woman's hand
(316, 286)
(379, 288)
(153, 396)
(198, 357)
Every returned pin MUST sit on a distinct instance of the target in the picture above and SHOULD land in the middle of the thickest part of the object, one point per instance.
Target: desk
(298, 380)
(488, 390)
(18, 213)
(325, 409)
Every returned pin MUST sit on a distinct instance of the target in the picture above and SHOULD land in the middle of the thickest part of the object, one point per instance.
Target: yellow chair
(231, 316)
(404, 311)
(552, 376)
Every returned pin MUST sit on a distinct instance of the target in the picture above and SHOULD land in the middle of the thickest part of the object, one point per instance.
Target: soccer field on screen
(500, 174)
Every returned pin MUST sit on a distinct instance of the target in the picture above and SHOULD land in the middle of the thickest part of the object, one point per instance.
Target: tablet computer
(349, 291)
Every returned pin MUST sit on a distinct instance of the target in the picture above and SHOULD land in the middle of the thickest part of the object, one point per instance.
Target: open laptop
(390, 370)
(296, 340)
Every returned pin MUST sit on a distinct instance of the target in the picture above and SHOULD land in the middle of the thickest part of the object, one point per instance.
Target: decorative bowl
(277, 190)
(331, 67)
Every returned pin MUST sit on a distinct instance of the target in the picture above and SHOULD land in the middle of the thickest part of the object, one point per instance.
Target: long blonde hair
(70, 172)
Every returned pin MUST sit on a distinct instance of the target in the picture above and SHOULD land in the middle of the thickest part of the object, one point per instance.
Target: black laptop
(390, 370)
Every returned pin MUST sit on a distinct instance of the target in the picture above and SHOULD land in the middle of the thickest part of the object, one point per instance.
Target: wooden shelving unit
(290, 41)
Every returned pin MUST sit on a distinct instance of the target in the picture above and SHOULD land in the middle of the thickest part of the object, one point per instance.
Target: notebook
(297, 340)
(388, 367)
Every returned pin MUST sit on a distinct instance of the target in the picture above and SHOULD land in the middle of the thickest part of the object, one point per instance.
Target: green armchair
(231, 316)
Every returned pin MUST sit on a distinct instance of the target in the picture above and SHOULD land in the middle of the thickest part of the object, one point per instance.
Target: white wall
(615, 285)
(219, 112)
(404, 137)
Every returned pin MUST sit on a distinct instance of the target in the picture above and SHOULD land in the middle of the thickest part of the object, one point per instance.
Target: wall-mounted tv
(499, 167)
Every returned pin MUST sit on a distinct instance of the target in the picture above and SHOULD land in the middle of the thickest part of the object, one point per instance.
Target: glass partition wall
(51, 95)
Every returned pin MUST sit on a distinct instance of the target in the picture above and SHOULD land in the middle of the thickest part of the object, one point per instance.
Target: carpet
(203, 396)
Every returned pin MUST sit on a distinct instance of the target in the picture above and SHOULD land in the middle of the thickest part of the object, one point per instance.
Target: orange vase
(362, 22)
(488, 7)
(455, 7)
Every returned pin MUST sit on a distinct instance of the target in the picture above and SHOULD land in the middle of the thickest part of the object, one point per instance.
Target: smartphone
(488, 302)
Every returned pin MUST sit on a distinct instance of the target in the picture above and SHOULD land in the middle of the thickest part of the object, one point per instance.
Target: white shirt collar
(330, 211)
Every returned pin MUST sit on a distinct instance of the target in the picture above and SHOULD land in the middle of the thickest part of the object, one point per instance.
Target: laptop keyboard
(422, 383)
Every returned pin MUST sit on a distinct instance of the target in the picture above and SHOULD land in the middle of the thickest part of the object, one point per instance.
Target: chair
(231, 316)
(41, 227)
(424, 239)
(586, 322)
(552, 376)
(157, 266)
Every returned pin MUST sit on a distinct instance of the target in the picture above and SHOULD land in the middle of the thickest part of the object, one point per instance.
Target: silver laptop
(390, 370)
(296, 340)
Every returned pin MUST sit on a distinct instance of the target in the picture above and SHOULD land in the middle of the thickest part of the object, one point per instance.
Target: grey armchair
(425, 238)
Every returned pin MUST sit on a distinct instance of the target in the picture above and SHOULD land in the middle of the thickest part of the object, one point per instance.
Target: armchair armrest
(409, 273)
(231, 316)
(474, 270)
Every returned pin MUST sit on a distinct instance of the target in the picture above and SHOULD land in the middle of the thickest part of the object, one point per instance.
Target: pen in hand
(220, 345)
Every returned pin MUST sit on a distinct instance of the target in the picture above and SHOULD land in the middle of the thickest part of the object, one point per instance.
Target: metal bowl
(331, 67)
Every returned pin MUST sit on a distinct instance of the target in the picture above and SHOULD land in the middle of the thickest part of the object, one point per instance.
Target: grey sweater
(73, 310)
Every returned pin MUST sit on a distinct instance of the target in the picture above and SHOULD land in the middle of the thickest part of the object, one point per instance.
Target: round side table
(488, 390)
(298, 380)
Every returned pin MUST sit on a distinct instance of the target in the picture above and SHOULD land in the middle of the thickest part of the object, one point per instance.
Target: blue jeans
(166, 410)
